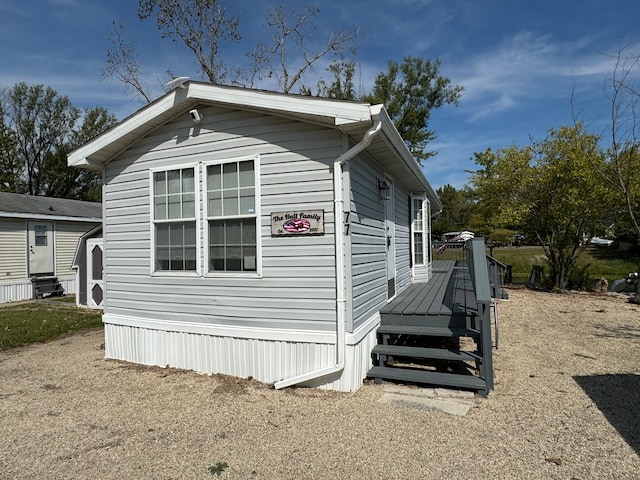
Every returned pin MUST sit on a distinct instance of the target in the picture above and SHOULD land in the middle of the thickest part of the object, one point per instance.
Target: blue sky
(518, 60)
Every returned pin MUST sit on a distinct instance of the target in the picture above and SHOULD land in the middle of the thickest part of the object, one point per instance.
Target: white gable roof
(353, 118)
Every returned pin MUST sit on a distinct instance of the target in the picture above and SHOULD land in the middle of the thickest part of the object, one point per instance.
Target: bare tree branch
(122, 64)
(201, 25)
(290, 31)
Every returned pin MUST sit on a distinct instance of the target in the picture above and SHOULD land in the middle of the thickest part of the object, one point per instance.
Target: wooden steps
(429, 378)
(427, 331)
(425, 355)
(439, 333)
(427, 352)
(46, 287)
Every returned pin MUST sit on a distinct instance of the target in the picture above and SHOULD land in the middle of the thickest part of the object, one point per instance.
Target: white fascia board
(80, 156)
(343, 112)
(398, 144)
(335, 112)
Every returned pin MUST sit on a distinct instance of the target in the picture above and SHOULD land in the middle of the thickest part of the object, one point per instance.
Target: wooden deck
(446, 300)
(454, 303)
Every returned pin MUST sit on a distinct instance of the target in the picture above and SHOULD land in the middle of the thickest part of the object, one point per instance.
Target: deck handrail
(497, 270)
(496, 262)
(476, 258)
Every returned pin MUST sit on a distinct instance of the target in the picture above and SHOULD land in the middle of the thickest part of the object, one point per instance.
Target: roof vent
(177, 82)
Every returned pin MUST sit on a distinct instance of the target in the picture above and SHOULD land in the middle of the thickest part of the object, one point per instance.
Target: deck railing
(497, 272)
(476, 257)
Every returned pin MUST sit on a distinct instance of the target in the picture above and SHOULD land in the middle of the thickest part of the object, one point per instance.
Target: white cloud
(525, 67)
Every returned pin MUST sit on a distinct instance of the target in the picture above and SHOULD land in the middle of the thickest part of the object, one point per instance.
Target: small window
(231, 216)
(40, 235)
(420, 231)
(174, 218)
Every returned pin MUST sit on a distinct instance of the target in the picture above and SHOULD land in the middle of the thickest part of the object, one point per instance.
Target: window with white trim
(231, 206)
(420, 230)
(174, 220)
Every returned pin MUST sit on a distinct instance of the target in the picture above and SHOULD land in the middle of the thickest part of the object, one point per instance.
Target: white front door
(40, 248)
(390, 227)
(95, 288)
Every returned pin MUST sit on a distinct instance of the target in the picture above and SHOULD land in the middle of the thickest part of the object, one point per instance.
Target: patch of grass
(37, 322)
(606, 263)
(63, 299)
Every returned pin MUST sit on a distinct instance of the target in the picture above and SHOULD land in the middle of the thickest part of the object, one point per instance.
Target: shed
(87, 263)
(254, 233)
(38, 239)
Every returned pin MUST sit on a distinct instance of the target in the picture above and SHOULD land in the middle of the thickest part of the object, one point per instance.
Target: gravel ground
(565, 406)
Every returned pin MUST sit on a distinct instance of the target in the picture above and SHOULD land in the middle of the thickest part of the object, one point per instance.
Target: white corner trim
(363, 330)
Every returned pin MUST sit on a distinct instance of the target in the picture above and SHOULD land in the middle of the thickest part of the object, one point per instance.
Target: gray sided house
(38, 238)
(258, 234)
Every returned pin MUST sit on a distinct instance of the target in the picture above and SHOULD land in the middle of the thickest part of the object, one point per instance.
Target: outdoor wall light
(195, 115)
(383, 190)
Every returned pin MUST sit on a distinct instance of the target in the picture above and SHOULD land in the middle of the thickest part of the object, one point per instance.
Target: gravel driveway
(565, 406)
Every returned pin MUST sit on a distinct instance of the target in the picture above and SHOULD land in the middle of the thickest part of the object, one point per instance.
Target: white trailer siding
(403, 238)
(67, 235)
(13, 249)
(368, 241)
(297, 288)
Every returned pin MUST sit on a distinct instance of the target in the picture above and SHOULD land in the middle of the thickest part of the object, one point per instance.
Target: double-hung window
(231, 206)
(420, 231)
(174, 220)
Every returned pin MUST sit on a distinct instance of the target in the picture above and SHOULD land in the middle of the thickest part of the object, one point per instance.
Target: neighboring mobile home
(258, 234)
(38, 238)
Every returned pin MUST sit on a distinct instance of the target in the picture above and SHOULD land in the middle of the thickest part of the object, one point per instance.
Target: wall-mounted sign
(305, 222)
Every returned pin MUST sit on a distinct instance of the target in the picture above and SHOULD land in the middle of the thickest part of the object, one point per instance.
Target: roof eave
(42, 216)
(93, 154)
(396, 141)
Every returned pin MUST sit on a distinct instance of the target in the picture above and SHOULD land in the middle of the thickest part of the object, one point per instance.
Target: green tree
(10, 167)
(340, 86)
(78, 183)
(40, 120)
(39, 127)
(548, 191)
(410, 91)
(457, 207)
(499, 187)
(566, 199)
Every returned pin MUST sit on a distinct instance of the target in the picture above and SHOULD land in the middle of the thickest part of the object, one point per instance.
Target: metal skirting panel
(18, 291)
(69, 285)
(265, 360)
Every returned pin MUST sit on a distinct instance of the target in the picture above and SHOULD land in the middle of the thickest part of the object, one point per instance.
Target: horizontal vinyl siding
(368, 243)
(67, 235)
(13, 249)
(403, 235)
(297, 288)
